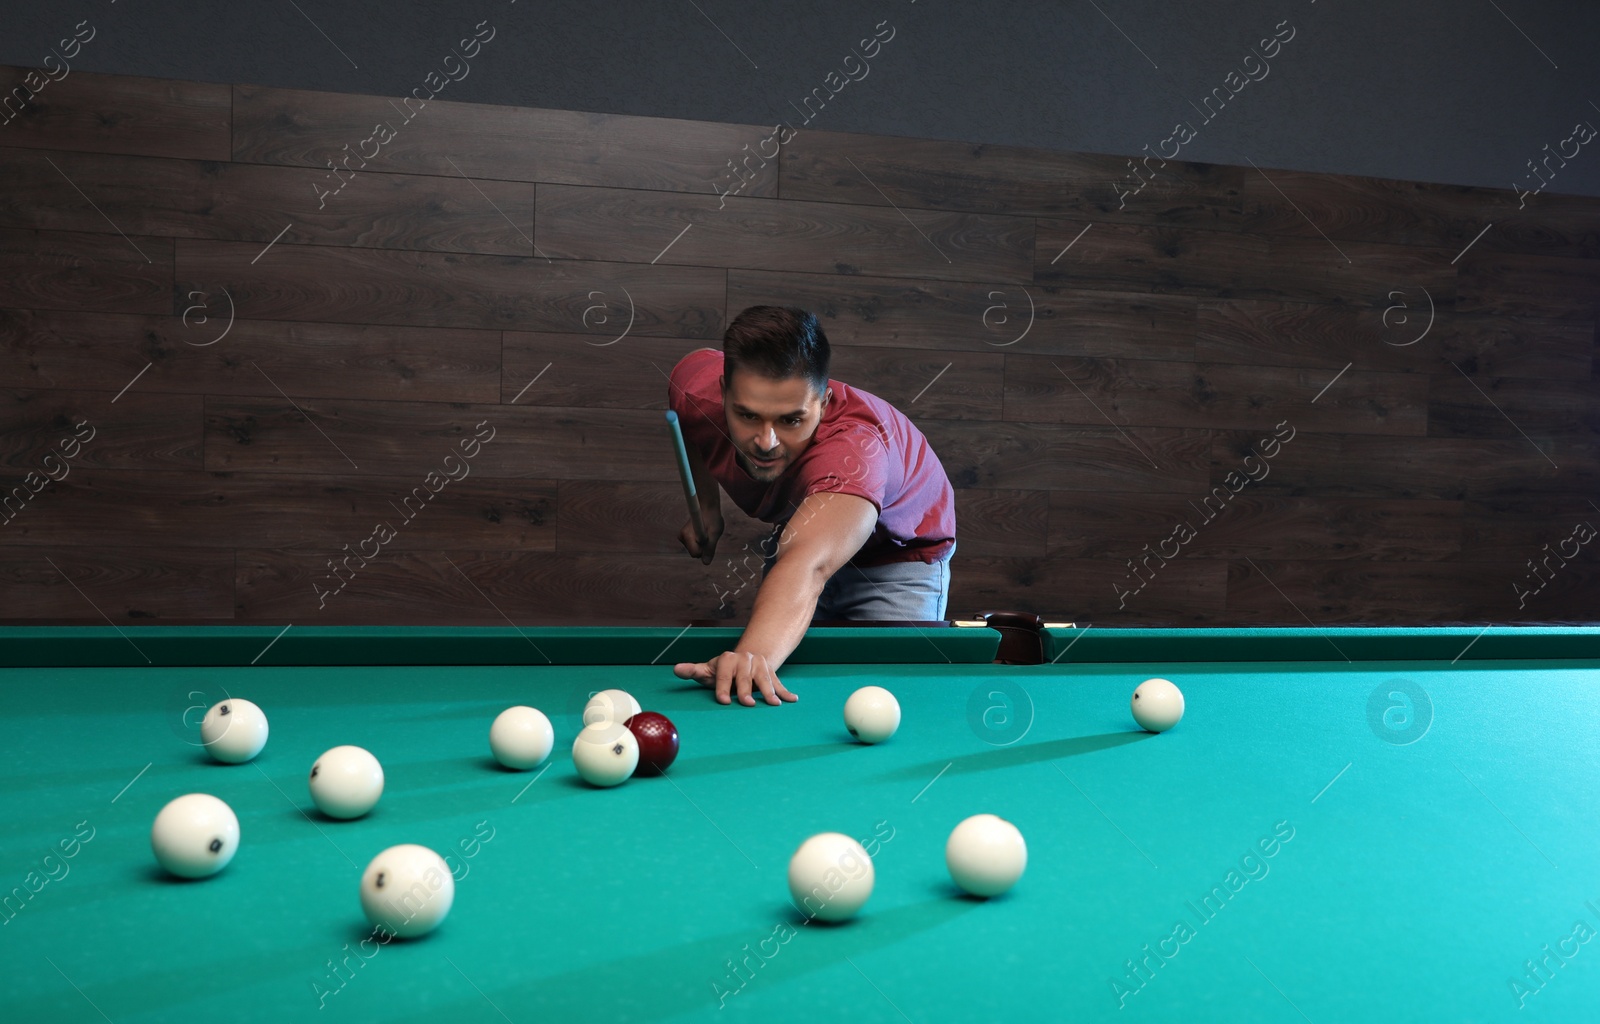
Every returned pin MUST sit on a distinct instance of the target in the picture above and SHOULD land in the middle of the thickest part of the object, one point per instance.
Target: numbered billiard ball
(234, 730)
(986, 855)
(830, 877)
(1157, 705)
(346, 782)
(521, 738)
(605, 753)
(872, 714)
(658, 741)
(195, 836)
(408, 890)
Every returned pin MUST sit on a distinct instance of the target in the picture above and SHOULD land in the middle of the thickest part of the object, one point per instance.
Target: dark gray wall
(1455, 91)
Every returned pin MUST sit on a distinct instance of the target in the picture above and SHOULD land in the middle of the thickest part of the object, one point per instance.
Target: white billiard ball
(872, 714)
(521, 737)
(605, 753)
(830, 877)
(234, 730)
(1157, 705)
(346, 782)
(407, 890)
(195, 836)
(610, 706)
(985, 855)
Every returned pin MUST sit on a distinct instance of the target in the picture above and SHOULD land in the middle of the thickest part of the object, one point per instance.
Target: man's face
(770, 421)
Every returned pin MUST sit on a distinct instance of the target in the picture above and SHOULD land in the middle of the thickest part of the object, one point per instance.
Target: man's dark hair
(777, 342)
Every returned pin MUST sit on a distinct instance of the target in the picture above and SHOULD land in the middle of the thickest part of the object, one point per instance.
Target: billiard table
(1349, 824)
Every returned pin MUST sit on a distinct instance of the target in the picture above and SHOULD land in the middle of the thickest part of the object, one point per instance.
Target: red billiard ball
(658, 741)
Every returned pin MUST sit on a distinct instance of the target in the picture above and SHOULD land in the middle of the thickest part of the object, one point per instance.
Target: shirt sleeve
(852, 462)
(682, 377)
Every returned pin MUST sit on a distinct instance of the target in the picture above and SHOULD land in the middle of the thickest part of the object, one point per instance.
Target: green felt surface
(43, 646)
(1418, 879)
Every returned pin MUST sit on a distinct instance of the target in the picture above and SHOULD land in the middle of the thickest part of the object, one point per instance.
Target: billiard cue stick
(687, 477)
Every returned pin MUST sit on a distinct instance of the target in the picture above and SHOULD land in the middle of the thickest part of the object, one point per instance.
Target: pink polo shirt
(863, 446)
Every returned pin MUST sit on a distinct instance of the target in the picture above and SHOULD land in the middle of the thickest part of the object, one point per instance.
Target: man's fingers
(743, 677)
(727, 670)
(768, 681)
(747, 679)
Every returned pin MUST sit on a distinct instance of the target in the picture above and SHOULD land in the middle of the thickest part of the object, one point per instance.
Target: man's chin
(771, 469)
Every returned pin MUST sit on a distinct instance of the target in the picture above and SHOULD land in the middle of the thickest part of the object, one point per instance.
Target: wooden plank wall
(240, 326)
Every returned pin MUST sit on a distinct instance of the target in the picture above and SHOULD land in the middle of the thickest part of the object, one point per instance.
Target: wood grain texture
(1231, 265)
(1350, 207)
(443, 137)
(612, 517)
(1348, 465)
(1226, 525)
(140, 430)
(1398, 337)
(1365, 400)
(78, 585)
(243, 202)
(1536, 286)
(140, 195)
(1129, 392)
(1187, 592)
(198, 353)
(1039, 456)
(607, 519)
(925, 384)
(349, 436)
(819, 238)
(160, 509)
(978, 316)
(1149, 258)
(485, 588)
(1362, 209)
(596, 371)
(1549, 225)
(1360, 274)
(120, 114)
(1516, 529)
(1270, 591)
(933, 174)
(69, 270)
(1002, 523)
(326, 284)
(1466, 404)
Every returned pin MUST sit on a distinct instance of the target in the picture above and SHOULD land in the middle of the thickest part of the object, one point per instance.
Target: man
(865, 514)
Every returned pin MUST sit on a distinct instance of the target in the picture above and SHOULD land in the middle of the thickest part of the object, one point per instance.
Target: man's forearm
(782, 614)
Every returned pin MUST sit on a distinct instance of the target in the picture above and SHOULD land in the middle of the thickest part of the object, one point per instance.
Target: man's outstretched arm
(824, 533)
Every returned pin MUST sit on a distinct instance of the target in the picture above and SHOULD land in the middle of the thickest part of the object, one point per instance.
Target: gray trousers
(914, 591)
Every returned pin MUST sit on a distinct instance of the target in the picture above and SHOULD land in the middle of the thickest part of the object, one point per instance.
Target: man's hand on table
(733, 674)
